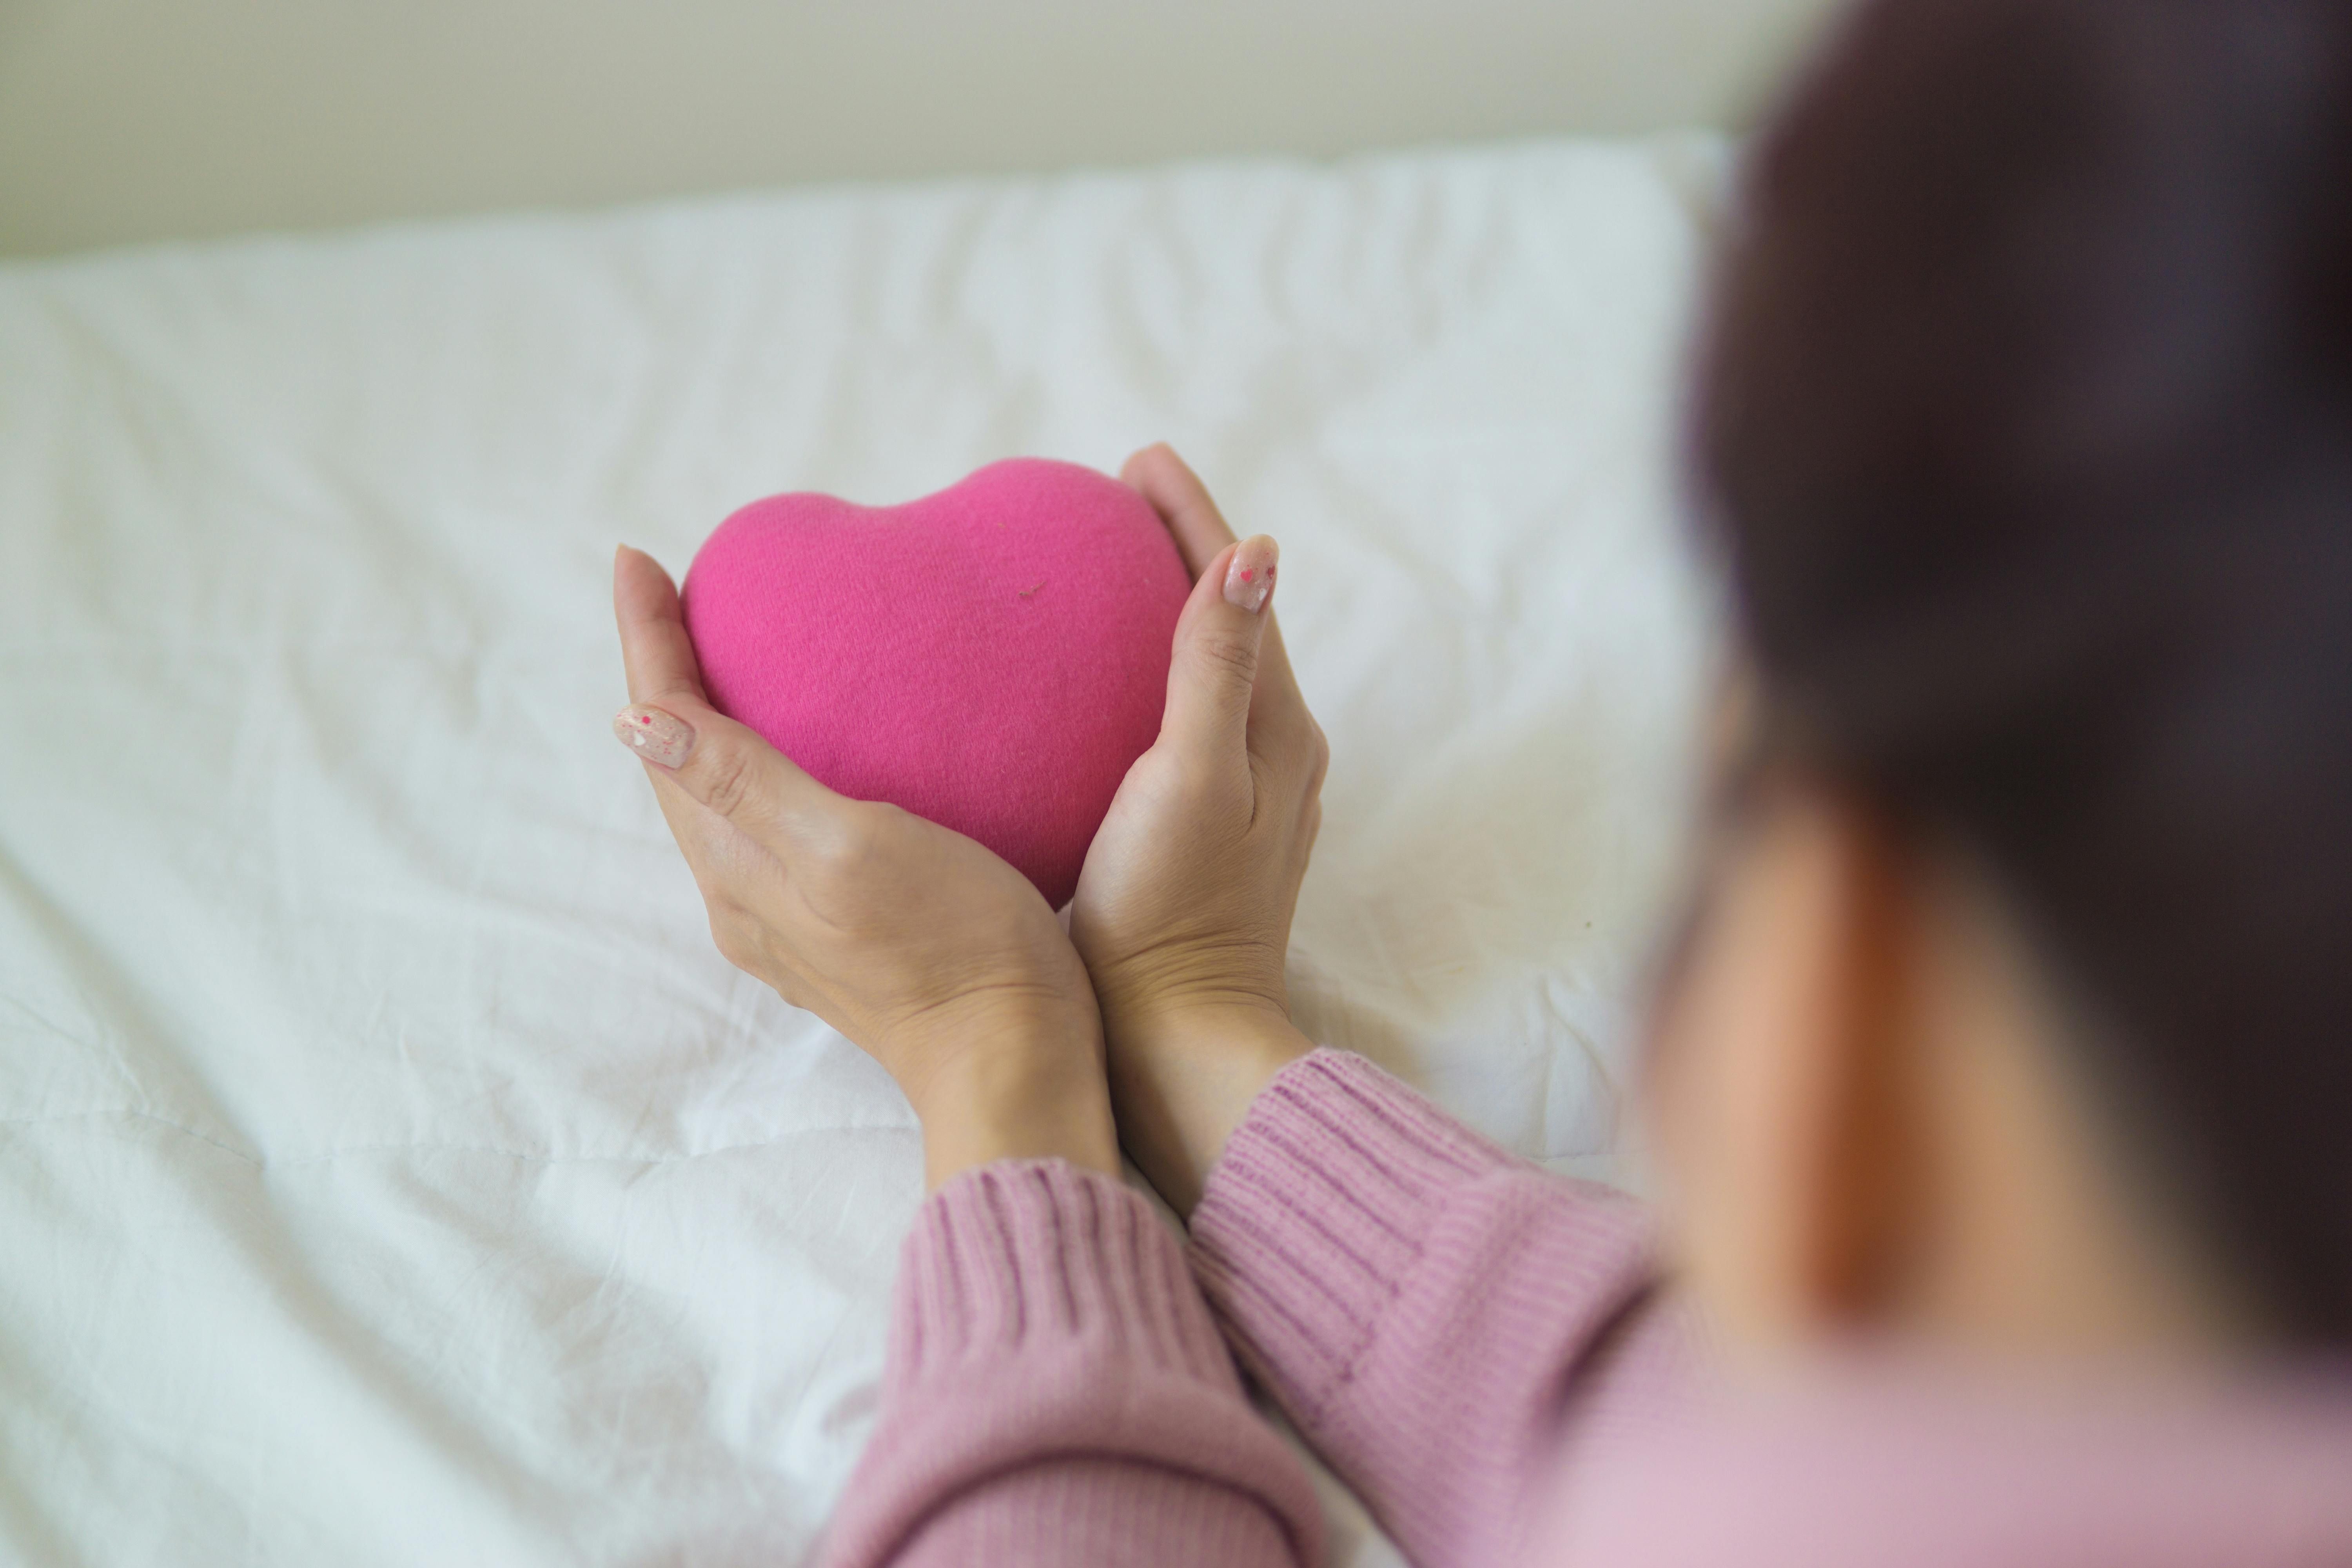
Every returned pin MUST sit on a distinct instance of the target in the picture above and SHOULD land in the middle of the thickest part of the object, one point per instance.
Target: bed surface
(390, 1171)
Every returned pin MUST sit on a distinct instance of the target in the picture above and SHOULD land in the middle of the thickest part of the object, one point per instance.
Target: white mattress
(390, 1171)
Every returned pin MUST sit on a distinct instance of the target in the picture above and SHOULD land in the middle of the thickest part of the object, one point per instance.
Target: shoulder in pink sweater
(1481, 1351)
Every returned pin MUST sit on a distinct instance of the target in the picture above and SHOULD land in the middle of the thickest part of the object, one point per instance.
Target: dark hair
(2025, 419)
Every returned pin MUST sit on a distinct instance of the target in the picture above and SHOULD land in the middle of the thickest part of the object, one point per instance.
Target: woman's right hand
(1182, 912)
(940, 961)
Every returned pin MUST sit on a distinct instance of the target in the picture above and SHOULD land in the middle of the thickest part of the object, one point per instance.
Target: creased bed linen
(390, 1170)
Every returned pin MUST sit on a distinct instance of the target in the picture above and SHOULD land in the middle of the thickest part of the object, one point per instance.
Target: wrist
(1144, 1007)
(1182, 1079)
(1024, 1089)
(1244, 1029)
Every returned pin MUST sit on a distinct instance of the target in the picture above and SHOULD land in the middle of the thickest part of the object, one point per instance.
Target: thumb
(730, 769)
(670, 725)
(1213, 669)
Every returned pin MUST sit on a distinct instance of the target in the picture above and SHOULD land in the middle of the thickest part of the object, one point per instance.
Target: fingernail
(1250, 578)
(656, 736)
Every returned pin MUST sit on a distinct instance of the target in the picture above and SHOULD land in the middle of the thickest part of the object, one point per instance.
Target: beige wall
(131, 119)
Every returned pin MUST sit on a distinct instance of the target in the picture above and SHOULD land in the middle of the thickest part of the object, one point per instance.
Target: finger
(1182, 501)
(661, 665)
(655, 649)
(723, 766)
(1213, 669)
(1202, 534)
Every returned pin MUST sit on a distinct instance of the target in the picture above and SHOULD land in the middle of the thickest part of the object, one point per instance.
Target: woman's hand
(940, 961)
(1183, 909)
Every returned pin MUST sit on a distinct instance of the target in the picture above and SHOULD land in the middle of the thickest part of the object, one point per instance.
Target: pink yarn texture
(993, 657)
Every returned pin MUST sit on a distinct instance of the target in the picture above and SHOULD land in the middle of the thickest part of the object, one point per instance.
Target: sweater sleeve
(1055, 1393)
(1437, 1317)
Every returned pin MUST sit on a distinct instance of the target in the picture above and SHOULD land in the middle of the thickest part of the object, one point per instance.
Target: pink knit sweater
(1479, 1350)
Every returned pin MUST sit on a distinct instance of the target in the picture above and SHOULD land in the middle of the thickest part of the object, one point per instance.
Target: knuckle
(852, 838)
(731, 946)
(726, 781)
(1226, 661)
(1305, 756)
(1199, 779)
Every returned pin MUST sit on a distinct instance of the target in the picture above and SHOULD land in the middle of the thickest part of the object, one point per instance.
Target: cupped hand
(925, 949)
(1183, 909)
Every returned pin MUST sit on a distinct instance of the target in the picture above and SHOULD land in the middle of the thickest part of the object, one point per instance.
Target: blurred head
(2013, 1004)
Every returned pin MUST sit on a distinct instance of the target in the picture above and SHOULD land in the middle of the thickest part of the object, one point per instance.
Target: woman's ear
(1783, 1069)
(1866, 1116)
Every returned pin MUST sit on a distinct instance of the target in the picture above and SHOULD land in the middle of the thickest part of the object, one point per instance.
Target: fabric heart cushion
(993, 657)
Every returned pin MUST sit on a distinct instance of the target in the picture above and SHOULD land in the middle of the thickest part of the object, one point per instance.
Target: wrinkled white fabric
(390, 1170)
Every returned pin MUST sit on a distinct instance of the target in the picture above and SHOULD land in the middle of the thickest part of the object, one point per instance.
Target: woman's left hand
(932, 954)
(1183, 909)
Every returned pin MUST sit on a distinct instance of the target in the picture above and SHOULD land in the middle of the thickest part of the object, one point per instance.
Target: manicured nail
(656, 736)
(1251, 576)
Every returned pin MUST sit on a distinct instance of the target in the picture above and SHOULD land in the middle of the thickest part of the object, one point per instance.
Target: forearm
(1182, 1081)
(1433, 1314)
(1075, 1512)
(1020, 1090)
(1057, 1396)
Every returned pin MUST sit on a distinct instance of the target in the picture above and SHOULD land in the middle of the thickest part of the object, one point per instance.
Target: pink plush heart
(993, 657)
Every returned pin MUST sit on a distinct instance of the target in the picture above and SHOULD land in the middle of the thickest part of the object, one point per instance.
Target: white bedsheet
(390, 1171)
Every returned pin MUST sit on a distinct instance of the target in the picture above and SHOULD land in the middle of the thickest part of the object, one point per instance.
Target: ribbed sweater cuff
(1318, 1211)
(1040, 1258)
(1041, 1312)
